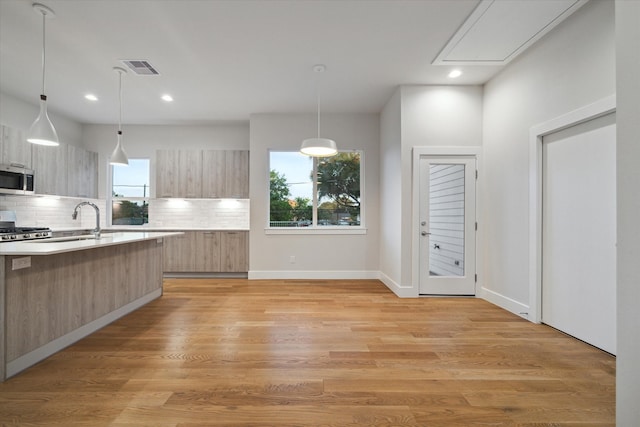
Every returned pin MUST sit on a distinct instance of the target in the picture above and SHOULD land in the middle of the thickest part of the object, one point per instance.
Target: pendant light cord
(44, 20)
(120, 109)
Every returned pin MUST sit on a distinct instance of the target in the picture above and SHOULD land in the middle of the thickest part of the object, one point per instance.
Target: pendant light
(42, 131)
(119, 157)
(319, 147)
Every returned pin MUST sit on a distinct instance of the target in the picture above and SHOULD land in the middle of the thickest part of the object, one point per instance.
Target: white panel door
(579, 232)
(447, 225)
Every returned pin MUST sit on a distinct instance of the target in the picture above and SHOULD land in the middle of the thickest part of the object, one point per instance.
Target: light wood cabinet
(50, 166)
(82, 172)
(234, 251)
(207, 252)
(237, 174)
(179, 173)
(14, 147)
(225, 174)
(179, 251)
(213, 174)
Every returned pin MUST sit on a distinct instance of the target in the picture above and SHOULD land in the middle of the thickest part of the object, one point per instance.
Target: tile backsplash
(55, 212)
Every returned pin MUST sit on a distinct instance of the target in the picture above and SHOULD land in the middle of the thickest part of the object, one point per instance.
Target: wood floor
(337, 353)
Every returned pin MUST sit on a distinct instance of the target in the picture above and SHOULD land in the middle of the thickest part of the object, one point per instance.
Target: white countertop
(56, 246)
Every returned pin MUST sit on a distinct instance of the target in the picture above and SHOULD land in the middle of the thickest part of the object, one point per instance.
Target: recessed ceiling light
(167, 98)
(91, 97)
(455, 74)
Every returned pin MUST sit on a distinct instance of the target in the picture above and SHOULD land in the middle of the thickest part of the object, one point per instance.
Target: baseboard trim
(313, 275)
(41, 353)
(400, 291)
(506, 303)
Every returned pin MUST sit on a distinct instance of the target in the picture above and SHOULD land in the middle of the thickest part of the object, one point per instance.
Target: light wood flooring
(233, 352)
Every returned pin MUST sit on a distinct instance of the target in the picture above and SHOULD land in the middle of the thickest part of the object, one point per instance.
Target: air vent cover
(140, 67)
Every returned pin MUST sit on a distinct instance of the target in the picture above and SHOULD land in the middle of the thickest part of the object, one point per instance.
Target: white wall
(19, 114)
(319, 256)
(391, 248)
(570, 67)
(143, 140)
(443, 116)
(628, 195)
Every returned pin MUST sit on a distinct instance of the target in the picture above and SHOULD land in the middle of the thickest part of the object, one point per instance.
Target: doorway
(447, 225)
(579, 231)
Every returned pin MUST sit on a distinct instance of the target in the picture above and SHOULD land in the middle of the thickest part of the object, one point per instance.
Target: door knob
(424, 233)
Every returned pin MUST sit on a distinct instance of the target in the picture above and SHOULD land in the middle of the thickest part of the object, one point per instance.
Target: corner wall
(628, 198)
(572, 66)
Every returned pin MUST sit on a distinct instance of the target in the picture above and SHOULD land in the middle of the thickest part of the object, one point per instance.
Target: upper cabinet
(82, 177)
(50, 169)
(65, 170)
(202, 174)
(15, 148)
(225, 174)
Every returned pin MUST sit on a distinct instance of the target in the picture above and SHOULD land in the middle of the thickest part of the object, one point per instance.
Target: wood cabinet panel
(234, 250)
(237, 174)
(166, 173)
(213, 173)
(179, 252)
(207, 252)
(14, 147)
(60, 293)
(190, 173)
(50, 166)
(82, 179)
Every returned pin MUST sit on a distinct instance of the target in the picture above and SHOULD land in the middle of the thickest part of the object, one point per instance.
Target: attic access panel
(499, 30)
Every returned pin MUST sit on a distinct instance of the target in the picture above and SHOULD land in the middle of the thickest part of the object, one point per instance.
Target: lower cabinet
(207, 252)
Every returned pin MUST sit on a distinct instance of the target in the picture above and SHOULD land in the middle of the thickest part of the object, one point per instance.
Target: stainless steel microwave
(15, 179)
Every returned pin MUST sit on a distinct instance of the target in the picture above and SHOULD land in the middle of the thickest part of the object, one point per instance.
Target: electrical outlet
(18, 263)
(292, 259)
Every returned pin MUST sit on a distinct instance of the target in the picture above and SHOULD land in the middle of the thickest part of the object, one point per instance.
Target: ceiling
(224, 60)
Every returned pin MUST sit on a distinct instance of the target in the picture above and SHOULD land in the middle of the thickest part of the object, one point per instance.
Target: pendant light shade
(42, 131)
(319, 147)
(119, 156)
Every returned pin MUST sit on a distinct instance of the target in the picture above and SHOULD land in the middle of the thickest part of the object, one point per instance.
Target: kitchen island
(54, 292)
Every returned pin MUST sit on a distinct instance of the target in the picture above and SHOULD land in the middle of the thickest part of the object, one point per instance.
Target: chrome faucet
(96, 231)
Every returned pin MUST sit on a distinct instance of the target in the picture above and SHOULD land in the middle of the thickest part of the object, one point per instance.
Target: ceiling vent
(499, 30)
(140, 67)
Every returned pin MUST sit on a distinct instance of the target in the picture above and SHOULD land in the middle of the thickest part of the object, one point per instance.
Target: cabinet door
(190, 173)
(179, 253)
(207, 254)
(213, 174)
(82, 172)
(234, 251)
(166, 173)
(15, 148)
(50, 166)
(237, 174)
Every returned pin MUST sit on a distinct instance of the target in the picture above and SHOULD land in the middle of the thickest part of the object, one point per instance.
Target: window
(314, 192)
(130, 193)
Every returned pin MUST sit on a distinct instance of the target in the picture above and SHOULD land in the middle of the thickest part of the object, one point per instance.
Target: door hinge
(476, 278)
(476, 173)
(476, 226)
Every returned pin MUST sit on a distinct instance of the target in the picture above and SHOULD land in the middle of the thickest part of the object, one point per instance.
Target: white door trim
(536, 133)
(415, 197)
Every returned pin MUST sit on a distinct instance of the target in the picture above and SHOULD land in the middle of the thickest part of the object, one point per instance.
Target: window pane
(339, 190)
(291, 189)
(132, 180)
(125, 212)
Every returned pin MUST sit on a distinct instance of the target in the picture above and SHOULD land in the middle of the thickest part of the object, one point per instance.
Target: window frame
(314, 228)
(111, 199)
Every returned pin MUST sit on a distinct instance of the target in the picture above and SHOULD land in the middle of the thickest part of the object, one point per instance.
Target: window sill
(317, 230)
